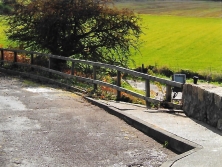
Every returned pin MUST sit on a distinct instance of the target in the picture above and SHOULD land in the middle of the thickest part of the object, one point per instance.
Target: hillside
(174, 7)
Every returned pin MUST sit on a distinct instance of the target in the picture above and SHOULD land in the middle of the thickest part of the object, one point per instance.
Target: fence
(169, 84)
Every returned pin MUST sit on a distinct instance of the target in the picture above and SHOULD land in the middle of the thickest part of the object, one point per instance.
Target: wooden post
(94, 78)
(118, 83)
(32, 61)
(2, 57)
(50, 66)
(73, 68)
(50, 63)
(142, 68)
(168, 93)
(15, 58)
(147, 88)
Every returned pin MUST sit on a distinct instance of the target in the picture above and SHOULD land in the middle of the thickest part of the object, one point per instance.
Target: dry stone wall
(204, 103)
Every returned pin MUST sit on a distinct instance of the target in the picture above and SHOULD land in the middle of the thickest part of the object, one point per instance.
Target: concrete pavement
(199, 144)
(48, 127)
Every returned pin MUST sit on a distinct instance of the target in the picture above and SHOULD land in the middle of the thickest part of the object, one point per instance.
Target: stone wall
(204, 103)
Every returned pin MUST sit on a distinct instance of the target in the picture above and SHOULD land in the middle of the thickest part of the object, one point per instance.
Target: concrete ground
(50, 127)
(43, 126)
(140, 85)
(177, 130)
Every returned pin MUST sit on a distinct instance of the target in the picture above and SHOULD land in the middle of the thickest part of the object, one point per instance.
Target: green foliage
(2, 35)
(6, 6)
(4, 42)
(5, 9)
(166, 143)
(84, 29)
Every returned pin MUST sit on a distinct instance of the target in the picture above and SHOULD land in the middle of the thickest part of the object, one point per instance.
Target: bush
(5, 9)
(166, 71)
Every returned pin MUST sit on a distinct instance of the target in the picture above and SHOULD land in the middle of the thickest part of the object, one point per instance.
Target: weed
(166, 143)
(29, 83)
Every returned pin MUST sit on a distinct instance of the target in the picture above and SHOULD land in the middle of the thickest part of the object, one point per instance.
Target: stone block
(218, 100)
(200, 93)
(219, 124)
(195, 91)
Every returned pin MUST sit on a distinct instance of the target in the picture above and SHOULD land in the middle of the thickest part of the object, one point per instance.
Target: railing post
(168, 93)
(15, 58)
(50, 63)
(50, 66)
(94, 78)
(118, 83)
(147, 88)
(73, 68)
(2, 57)
(32, 62)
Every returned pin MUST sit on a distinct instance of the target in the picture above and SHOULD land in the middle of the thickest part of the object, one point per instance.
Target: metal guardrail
(94, 81)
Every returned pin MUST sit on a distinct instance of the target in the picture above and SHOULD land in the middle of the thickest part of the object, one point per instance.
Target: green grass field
(180, 35)
(182, 43)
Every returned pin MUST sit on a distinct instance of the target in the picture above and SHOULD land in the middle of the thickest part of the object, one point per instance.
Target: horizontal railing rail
(169, 84)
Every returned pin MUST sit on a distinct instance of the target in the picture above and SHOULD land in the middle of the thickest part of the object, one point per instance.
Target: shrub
(166, 71)
(5, 9)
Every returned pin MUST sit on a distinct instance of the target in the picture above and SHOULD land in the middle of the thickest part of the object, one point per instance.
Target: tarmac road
(43, 126)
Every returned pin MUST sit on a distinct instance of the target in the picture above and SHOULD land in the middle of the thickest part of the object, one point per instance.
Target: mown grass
(180, 34)
(181, 43)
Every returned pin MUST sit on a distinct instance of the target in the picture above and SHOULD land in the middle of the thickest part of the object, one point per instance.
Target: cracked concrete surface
(43, 126)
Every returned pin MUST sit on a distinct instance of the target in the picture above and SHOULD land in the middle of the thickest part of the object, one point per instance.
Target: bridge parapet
(204, 103)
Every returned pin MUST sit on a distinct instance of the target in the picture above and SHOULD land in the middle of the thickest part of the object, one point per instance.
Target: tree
(6, 6)
(86, 29)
